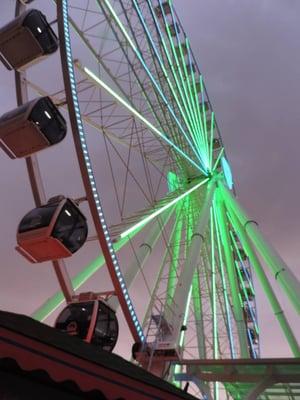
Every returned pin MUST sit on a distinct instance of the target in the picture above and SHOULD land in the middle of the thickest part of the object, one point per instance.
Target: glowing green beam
(199, 132)
(159, 275)
(201, 135)
(285, 276)
(186, 314)
(184, 95)
(203, 106)
(266, 286)
(162, 209)
(168, 55)
(140, 57)
(214, 300)
(213, 283)
(139, 116)
(198, 311)
(218, 159)
(148, 33)
(183, 79)
(224, 285)
(211, 139)
(185, 99)
(190, 122)
(175, 245)
(50, 305)
(231, 272)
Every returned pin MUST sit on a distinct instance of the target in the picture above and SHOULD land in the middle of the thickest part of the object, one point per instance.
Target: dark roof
(35, 340)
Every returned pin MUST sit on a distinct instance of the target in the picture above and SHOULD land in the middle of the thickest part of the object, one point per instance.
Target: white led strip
(91, 174)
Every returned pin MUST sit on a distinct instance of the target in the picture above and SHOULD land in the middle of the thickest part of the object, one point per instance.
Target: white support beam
(282, 273)
(198, 310)
(175, 314)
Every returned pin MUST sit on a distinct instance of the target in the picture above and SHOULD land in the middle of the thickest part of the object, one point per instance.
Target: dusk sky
(249, 54)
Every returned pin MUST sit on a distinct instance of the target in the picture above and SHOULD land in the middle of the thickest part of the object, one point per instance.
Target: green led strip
(162, 209)
(185, 97)
(225, 291)
(138, 54)
(97, 80)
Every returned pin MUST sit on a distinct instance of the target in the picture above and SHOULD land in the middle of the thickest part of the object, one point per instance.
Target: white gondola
(26, 40)
(31, 127)
(53, 231)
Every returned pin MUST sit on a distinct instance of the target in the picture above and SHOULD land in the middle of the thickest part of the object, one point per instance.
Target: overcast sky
(249, 54)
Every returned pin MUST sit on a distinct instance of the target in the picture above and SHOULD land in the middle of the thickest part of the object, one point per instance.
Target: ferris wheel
(155, 192)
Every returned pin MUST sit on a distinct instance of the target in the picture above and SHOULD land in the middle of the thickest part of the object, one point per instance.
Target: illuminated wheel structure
(157, 188)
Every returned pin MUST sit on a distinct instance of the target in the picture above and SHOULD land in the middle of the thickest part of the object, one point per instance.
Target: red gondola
(53, 231)
(26, 39)
(31, 127)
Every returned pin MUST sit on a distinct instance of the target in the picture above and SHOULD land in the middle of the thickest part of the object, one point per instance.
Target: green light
(162, 209)
(225, 291)
(116, 18)
(184, 79)
(267, 287)
(203, 105)
(211, 138)
(218, 159)
(175, 255)
(55, 301)
(198, 312)
(199, 131)
(287, 279)
(173, 183)
(231, 272)
(139, 116)
(184, 96)
(139, 55)
(202, 137)
(213, 283)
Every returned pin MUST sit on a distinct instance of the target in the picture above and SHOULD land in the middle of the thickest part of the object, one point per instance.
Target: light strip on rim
(92, 181)
(97, 80)
(162, 209)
